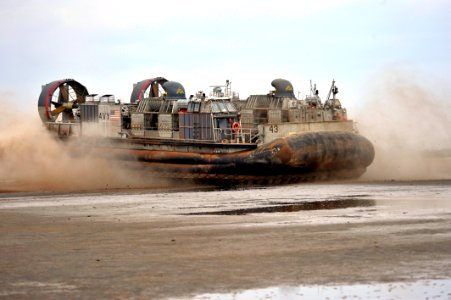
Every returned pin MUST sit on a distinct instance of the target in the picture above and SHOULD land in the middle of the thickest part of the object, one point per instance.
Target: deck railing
(220, 135)
(236, 136)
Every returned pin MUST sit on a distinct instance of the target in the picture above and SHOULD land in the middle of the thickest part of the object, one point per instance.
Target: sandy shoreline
(148, 245)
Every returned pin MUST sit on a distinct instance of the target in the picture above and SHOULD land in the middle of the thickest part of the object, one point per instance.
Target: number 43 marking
(274, 128)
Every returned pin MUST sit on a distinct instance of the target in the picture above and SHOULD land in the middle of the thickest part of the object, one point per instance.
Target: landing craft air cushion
(220, 139)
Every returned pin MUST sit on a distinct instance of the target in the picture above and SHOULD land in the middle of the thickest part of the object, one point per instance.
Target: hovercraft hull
(300, 157)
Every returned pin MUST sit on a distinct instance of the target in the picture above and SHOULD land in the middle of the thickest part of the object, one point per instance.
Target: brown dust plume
(32, 160)
(409, 124)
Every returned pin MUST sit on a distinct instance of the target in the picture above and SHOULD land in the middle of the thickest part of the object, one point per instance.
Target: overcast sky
(109, 45)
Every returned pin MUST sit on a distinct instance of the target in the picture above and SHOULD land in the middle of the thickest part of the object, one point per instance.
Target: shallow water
(375, 240)
(364, 200)
(423, 289)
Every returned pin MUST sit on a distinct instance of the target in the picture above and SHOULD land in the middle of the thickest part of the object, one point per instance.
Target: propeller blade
(60, 107)
(56, 103)
(64, 93)
(154, 90)
(57, 110)
(80, 99)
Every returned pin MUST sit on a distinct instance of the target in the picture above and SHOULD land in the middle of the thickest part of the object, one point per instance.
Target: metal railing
(220, 135)
(236, 136)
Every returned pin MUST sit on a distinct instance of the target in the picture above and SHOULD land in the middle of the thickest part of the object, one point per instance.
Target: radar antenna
(313, 90)
(333, 90)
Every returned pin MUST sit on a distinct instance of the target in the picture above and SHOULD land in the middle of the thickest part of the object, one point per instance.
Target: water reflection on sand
(423, 289)
(378, 240)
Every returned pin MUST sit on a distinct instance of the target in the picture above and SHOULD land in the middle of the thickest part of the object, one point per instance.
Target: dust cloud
(32, 160)
(408, 123)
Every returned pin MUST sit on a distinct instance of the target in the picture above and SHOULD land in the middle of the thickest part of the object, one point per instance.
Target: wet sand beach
(153, 245)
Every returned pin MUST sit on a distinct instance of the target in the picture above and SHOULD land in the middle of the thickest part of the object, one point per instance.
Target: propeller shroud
(59, 98)
(146, 88)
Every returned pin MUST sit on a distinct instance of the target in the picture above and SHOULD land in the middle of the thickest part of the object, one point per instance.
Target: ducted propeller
(58, 100)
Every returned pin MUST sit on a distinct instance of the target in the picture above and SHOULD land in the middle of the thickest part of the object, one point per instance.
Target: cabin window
(194, 107)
